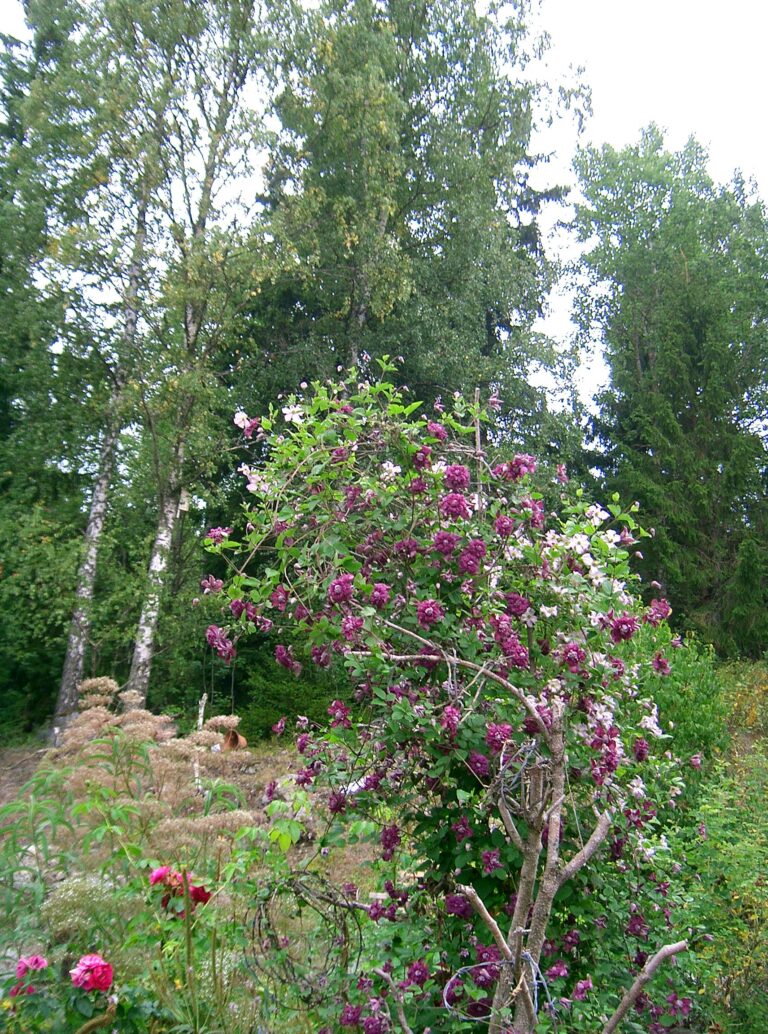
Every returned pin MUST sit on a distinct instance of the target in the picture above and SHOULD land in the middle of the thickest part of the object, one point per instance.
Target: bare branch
(398, 998)
(599, 833)
(640, 981)
(481, 669)
(509, 824)
(488, 919)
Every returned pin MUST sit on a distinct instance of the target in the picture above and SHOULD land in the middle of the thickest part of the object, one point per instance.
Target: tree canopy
(678, 269)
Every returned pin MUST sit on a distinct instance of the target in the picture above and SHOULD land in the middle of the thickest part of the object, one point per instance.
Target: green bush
(728, 851)
(271, 693)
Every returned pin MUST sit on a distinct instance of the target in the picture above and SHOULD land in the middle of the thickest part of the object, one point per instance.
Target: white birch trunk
(144, 647)
(80, 626)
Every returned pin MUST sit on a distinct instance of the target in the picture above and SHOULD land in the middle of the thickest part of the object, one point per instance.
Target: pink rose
(29, 962)
(159, 875)
(92, 973)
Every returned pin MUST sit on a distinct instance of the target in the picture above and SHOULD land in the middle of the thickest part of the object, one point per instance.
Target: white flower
(611, 538)
(650, 722)
(257, 482)
(548, 612)
(579, 543)
(293, 414)
(637, 788)
(241, 419)
(389, 471)
(596, 514)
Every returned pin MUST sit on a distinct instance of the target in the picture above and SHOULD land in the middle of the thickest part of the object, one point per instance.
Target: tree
(503, 673)
(677, 268)
(401, 206)
(143, 120)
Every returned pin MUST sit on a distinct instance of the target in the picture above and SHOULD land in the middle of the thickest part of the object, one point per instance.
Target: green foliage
(746, 685)
(507, 680)
(678, 269)
(403, 215)
(693, 700)
(270, 693)
(77, 851)
(729, 854)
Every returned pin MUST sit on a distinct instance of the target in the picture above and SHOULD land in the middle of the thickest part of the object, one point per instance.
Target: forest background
(204, 208)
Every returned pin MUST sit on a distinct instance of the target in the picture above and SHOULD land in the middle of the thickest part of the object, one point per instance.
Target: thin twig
(397, 997)
(579, 860)
(509, 824)
(490, 922)
(641, 980)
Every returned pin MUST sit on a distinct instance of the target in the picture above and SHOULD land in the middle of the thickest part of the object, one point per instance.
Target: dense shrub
(508, 756)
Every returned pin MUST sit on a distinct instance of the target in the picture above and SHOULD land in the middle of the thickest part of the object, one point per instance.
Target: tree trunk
(80, 626)
(144, 647)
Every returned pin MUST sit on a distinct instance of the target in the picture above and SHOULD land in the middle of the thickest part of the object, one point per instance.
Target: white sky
(695, 67)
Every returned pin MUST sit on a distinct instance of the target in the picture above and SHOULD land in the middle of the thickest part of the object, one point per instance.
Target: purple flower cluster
(471, 555)
(341, 589)
(284, 657)
(239, 607)
(418, 973)
(218, 640)
(573, 656)
(623, 627)
(455, 505)
(380, 595)
(445, 542)
(637, 926)
(658, 611)
(458, 905)
(491, 860)
(497, 735)
(640, 749)
(504, 525)
(390, 840)
(407, 549)
(429, 612)
(462, 829)
(535, 508)
(351, 627)
(456, 477)
(449, 720)
(582, 989)
(661, 665)
(423, 458)
(479, 764)
(339, 713)
(608, 743)
(217, 535)
(209, 584)
(517, 605)
(516, 468)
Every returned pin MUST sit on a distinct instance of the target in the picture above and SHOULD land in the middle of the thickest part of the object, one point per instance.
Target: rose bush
(505, 736)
